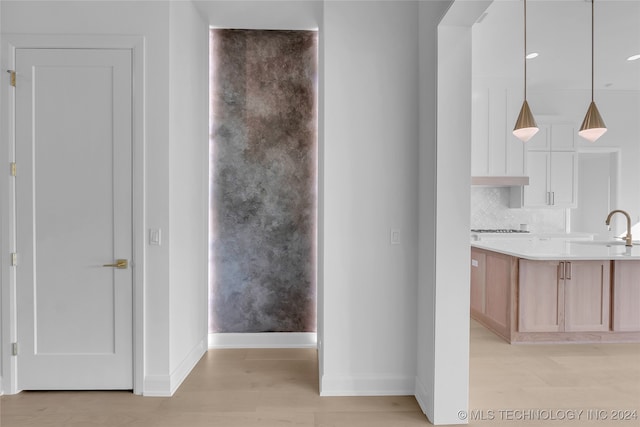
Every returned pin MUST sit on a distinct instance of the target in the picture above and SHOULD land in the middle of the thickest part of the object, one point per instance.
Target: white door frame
(8, 332)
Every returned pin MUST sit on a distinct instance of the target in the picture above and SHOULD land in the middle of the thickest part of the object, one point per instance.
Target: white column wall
(451, 363)
(429, 16)
(370, 187)
(3, 247)
(189, 189)
(442, 380)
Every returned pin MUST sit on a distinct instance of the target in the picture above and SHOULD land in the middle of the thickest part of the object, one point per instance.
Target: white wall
(370, 186)
(2, 248)
(189, 190)
(262, 14)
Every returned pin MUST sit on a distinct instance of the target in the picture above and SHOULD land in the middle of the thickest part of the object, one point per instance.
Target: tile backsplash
(490, 209)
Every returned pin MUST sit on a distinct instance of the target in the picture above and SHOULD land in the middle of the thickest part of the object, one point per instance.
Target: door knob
(120, 263)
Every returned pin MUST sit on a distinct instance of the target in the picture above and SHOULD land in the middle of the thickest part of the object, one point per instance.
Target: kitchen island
(556, 290)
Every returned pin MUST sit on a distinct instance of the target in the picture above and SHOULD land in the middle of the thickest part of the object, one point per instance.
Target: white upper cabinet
(480, 133)
(563, 137)
(552, 167)
(494, 149)
(552, 181)
(536, 194)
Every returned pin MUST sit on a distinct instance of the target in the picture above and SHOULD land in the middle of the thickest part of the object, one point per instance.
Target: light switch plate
(155, 237)
(395, 236)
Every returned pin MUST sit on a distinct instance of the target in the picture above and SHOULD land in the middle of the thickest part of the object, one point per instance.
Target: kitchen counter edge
(559, 250)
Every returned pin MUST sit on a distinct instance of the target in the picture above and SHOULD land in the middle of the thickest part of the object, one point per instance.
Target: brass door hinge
(14, 348)
(13, 169)
(14, 259)
(12, 77)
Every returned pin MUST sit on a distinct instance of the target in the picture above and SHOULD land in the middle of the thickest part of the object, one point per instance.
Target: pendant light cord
(525, 50)
(592, 48)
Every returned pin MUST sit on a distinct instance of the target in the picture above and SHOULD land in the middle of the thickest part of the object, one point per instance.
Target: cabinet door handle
(561, 270)
(553, 197)
(568, 271)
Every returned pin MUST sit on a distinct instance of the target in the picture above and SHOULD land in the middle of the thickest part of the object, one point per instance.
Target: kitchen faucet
(628, 239)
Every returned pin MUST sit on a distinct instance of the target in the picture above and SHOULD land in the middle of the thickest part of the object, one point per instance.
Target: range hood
(500, 181)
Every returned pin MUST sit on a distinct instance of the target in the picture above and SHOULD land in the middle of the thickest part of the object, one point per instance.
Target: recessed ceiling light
(532, 55)
(633, 57)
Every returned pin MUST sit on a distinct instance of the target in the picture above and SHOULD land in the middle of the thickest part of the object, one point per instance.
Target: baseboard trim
(157, 386)
(264, 340)
(187, 365)
(424, 399)
(367, 385)
(166, 385)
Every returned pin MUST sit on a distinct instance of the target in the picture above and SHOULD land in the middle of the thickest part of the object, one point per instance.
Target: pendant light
(593, 126)
(526, 125)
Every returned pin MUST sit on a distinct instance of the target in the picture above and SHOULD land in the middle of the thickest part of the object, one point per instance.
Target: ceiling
(560, 31)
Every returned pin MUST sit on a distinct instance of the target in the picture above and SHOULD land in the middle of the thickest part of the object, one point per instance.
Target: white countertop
(536, 248)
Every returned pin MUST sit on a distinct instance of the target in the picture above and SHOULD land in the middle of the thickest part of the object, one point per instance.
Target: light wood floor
(246, 388)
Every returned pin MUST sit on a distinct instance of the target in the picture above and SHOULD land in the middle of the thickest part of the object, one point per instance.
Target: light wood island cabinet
(541, 298)
(492, 275)
(626, 296)
(564, 296)
(492, 278)
(525, 300)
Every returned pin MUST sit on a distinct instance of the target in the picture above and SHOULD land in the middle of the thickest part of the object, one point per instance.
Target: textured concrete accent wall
(263, 202)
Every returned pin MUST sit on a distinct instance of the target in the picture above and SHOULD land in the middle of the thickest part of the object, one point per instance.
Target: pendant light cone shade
(526, 125)
(593, 126)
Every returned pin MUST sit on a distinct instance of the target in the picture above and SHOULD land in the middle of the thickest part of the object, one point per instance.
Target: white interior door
(73, 191)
